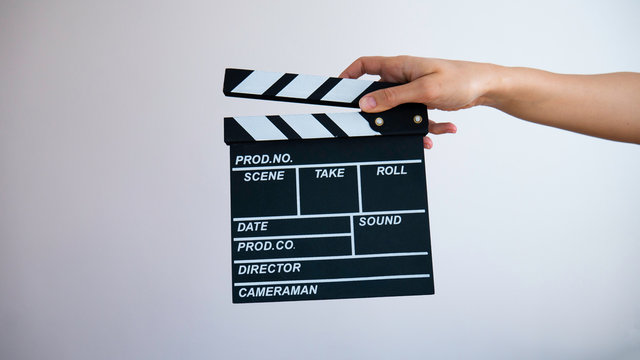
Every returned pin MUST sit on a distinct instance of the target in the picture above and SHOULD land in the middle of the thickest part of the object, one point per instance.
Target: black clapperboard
(326, 206)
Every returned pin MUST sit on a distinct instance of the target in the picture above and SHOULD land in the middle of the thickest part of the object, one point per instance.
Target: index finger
(364, 65)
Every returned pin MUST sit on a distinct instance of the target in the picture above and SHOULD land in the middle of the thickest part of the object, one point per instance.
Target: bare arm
(606, 106)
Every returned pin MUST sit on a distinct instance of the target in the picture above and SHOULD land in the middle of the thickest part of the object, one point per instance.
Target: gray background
(114, 200)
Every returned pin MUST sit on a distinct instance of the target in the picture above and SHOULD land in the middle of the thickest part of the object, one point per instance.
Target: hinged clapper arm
(406, 119)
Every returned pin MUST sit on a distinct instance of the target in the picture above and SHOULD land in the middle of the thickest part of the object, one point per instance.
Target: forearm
(606, 106)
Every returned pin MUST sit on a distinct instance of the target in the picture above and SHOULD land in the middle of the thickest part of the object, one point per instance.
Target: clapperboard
(326, 206)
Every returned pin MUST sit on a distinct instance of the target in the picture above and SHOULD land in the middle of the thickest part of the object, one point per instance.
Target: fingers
(442, 128)
(364, 65)
(438, 129)
(385, 99)
(427, 142)
(396, 69)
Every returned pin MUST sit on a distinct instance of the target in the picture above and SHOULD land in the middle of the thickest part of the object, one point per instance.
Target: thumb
(385, 99)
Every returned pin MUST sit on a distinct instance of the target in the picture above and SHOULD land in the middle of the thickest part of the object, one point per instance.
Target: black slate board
(329, 218)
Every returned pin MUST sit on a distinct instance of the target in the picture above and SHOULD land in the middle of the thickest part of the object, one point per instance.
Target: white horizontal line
(311, 216)
(290, 237)
(302, 166)
(337, 257)
(315, 281)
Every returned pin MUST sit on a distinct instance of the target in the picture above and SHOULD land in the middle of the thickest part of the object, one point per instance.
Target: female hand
(439, 84)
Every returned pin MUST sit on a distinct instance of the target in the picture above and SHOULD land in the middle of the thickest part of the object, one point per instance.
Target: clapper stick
(326, 206)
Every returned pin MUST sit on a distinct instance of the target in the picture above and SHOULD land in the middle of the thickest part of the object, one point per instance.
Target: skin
(605, 105)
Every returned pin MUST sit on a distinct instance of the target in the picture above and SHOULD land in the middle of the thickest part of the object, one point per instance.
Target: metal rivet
(417, 119)
(379, 121)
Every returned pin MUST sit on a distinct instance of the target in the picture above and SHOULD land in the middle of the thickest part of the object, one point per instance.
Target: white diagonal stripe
(260, 128)
(257, 82)
(353, 124)
(347, 90)
(306, 126)
(302, 86)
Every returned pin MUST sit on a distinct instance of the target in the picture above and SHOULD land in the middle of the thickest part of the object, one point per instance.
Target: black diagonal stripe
(324, 89)
(279, 85)
(284, 127)
(232, 78)
(234, 132)
(326, 121)
(376, 85)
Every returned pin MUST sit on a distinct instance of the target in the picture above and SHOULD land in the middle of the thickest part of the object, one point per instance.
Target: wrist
(496, 83)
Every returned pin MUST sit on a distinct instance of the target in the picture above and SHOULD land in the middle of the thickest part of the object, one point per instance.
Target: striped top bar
(308, 89)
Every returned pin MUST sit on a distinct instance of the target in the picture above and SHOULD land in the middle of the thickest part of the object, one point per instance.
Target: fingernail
(367, 103)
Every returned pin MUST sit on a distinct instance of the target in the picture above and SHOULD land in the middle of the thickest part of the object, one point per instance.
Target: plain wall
(114, 185)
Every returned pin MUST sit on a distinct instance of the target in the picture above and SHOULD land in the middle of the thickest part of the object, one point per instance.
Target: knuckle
(389, 96)
(399, 61)
(365, 59)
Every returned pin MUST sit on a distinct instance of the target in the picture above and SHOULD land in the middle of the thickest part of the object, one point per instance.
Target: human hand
(440, 84)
